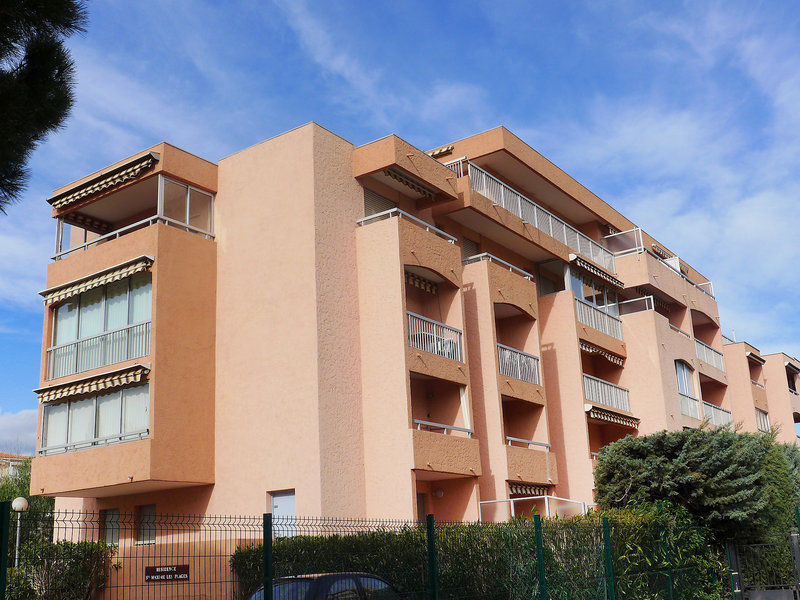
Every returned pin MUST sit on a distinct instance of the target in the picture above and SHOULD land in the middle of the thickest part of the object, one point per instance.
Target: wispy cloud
(18, 431)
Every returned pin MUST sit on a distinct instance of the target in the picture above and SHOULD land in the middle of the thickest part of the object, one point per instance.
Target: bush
(489, 560)
(60, 571)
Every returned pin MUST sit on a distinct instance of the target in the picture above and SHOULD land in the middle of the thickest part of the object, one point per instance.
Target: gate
(766, 571)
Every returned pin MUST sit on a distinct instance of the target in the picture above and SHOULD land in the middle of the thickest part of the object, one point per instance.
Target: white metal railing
(528, 443)
(602, 392)
(133, 226)
(109, 347)
(594, 456)
(755, 383)
(432, 426)
(517, 364)
(99, 441)
(526, 209)
(710, 356)
(690, 406)
(715, 415)
(396, 212)
(595, 318)
(795, 392)
(434, 337)
(679, 330)
(636, 305)
(631, 242)
(494, 259)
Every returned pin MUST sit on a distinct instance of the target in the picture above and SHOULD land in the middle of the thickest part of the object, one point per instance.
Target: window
(791, 379)
(762, 420)
(110, 524)
(343, 589)
(292, 590)
(106, 418)
(187, 205)
(375, 588)
(146, 517)
(120, 310)
(594, 293)
(684, 372)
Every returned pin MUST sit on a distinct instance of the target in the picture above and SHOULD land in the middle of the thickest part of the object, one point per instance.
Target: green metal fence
(238, 558)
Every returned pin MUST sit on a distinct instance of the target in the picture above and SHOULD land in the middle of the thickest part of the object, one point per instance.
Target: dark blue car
(330, 586)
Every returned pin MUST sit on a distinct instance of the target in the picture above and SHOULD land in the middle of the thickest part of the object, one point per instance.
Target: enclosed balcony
(156, 199)
(709, 355)
(690, 406)
(715, 415)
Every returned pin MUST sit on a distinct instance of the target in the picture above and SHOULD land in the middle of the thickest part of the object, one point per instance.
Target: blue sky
(684, 116)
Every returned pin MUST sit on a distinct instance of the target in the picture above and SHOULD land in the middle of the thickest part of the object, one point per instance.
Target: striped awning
(527, 489)
(609, 416)
(96, 383)
(592, 349)
(110, 179)
(421, 283)
(126, 269)
(415, 185)
(593, 269)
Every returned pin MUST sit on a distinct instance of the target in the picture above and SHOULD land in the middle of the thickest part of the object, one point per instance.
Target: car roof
(319, 575)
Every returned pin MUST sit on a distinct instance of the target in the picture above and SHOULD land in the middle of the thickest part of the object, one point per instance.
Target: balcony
(436, 338)
(593, 317)
(530, 461)
(517, 364)
(602, 392)
(709, 356)
(442, 448)
(100, 350)
(715, 415)
(167, 201)
(690, 406)
(533, 214)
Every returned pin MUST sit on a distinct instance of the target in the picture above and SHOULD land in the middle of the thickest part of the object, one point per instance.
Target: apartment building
(315, 328)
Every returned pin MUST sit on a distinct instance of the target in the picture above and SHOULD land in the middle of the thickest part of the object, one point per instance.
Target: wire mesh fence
(110, 556)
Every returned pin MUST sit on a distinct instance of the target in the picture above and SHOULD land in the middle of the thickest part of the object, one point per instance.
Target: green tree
(735, 484)
(36, 81)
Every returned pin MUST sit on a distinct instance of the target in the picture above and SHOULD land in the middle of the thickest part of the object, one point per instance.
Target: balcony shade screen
(592, 349)
(608, 416)
(62, 292)
(374, 203)
(114, 379)
(111, 179)
(593, 269)
(527, 489)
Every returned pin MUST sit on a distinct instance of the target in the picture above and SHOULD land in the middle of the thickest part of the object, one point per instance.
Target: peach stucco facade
(371, 331)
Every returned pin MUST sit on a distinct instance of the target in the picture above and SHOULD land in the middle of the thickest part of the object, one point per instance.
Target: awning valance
(528, 489)
(592, 349)
(792, 367)
(593, 269)
(115, 273)
(408, 181)
(126, 172)
(96, 383)
(610, 416)
(755, 357)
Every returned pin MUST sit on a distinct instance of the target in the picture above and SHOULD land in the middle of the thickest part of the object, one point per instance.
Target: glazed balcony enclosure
(128, 340)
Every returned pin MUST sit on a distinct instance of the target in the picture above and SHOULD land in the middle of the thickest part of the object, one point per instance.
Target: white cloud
(18, 431)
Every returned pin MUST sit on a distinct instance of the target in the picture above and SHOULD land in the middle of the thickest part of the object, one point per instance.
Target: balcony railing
(533, 214)
(396, 212)
(728, 339)
(434, 337)
(100, 350)
(795, 392)
(715, 415)
(597, 319)
(679, 330)
(517, 364)
(709, 356)
(631, 242)
(445, 429)
(758, 385)
(690, 406)
(500, 261)
(527, 443)
(100, 441)
(605, 393)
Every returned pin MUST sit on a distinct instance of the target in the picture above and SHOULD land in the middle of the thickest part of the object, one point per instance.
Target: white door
(283, 513)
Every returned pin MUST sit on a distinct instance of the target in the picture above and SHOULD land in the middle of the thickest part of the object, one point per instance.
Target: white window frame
(683, 368)
(762, 421)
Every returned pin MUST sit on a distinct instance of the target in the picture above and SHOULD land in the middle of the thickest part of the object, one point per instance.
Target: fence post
(5, 531)
(609, 563)
(537, 527)
(433, 561)
(667, 556)
(734, 571)
(267, 558)
(797, 518)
